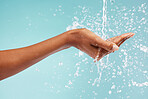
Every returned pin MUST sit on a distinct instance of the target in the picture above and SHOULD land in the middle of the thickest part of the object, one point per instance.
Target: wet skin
(118, 40)
(14, 61)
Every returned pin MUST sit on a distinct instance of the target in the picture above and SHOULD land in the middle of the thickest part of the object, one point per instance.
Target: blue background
(26, 22)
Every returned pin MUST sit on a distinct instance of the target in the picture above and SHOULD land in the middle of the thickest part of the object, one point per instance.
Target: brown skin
(118, 40)
(15, 60)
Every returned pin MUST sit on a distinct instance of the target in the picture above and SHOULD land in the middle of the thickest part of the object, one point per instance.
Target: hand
(93, 45)
(89, 42)
(118, 40)
(16, 60)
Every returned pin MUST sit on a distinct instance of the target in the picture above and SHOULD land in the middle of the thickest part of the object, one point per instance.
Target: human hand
(89, 42)
(93, 45)
(118, 40)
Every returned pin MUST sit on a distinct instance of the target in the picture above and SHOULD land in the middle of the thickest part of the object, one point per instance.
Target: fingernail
(132, 34)
(115, 47)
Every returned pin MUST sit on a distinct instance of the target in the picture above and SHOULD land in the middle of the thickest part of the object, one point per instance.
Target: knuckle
(121, 37)
(111, 46)
(83, 30)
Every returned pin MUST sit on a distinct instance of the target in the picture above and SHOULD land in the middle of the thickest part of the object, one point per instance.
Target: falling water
(130, 58)
(104, 18)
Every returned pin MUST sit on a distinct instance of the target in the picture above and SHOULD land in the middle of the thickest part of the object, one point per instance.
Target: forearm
(16, 60)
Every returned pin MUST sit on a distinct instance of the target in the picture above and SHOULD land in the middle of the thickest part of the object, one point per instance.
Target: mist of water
(128, 66)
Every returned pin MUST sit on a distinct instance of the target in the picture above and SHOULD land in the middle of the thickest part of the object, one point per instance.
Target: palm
(118, 40)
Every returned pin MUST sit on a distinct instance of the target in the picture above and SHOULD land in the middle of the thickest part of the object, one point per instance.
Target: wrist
(73, 36)
(69, 37)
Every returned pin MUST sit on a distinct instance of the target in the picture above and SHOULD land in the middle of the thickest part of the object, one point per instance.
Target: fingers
(102, 53)
(99, 55)
(107, 45)
(118, 40)
(96, 53)
(124, 37)
(90, 50)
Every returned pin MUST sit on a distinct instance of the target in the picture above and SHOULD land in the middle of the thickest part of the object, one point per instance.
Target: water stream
(127, 68)
(104, 19)
(104, 36)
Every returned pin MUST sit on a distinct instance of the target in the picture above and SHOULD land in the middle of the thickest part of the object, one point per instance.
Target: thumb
(107, 45)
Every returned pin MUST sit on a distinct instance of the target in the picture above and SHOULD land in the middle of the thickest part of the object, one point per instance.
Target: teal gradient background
(26, 22)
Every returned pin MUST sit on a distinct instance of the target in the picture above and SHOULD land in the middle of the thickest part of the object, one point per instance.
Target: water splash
(104, 36)
(104, 18)
(127, 66)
